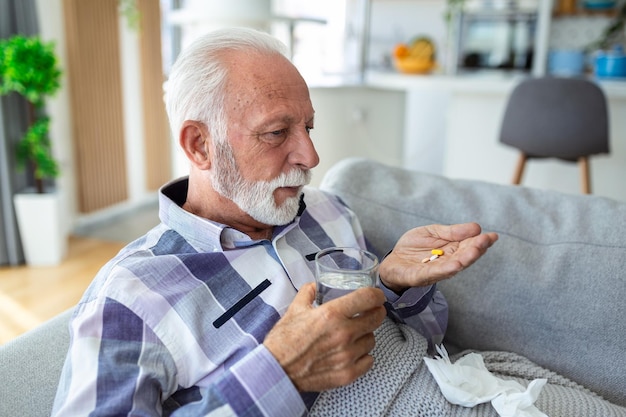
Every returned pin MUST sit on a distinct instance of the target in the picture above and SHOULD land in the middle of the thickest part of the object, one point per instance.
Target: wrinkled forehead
(256, 78)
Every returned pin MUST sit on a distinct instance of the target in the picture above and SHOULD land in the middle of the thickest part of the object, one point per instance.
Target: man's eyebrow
(278, 119)
(282, 119)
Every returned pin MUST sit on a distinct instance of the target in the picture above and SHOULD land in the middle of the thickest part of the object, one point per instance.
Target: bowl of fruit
(416, 56)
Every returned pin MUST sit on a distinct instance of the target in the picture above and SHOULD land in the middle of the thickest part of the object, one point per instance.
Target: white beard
(256, 198)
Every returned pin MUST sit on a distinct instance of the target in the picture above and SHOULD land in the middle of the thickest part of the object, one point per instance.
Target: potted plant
(29, 67)
(614, 31)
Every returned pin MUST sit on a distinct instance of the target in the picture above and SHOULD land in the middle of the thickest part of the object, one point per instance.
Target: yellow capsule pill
(437, 252)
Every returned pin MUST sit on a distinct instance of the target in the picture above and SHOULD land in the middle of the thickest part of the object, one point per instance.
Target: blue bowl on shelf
(610, 64)
(566, 62)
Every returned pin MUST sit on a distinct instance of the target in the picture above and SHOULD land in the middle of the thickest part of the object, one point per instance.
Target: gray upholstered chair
(551, 117)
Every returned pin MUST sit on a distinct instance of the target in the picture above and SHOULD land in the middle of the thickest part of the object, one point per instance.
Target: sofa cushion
(551, 289)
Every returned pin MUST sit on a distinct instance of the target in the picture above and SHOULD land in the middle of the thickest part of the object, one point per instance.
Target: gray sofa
(552, 288)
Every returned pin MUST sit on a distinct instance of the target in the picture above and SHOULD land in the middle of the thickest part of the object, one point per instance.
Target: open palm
(462, 244)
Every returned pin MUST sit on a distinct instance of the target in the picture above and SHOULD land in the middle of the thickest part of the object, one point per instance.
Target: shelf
(586, 13)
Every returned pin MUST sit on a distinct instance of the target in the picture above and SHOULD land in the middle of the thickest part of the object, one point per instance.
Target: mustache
(294, 178)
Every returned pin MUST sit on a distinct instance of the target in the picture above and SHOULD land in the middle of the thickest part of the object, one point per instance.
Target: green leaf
(35, 147)
(29, 67)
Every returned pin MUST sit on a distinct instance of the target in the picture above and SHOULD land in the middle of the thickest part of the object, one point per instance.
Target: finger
(348, 375)
(471, 247)
(345, 355)
(352, 360)
(329, 378)
(357, 301)
(477, 245)
(305, 296)
(436, 236)
(464, 231)
(465, 255)
(370, 320)
(455, 232)
(493, 237)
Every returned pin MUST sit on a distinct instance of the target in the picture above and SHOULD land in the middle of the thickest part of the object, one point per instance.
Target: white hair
(196, 85)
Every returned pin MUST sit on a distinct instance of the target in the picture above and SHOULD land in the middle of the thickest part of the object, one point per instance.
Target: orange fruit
(400, 50)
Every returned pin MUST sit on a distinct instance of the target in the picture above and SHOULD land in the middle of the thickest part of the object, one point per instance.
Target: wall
(61, 134)
(356, 121)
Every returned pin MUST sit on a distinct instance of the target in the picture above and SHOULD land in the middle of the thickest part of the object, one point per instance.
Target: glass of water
(339, 271)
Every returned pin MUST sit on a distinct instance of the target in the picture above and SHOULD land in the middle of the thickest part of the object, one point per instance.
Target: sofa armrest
(30, 367)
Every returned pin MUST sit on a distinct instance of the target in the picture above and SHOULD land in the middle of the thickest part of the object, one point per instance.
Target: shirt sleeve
(117, 366)
(423, 308)
(256, 386)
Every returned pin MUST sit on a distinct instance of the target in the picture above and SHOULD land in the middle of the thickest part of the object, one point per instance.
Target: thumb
(305, 296)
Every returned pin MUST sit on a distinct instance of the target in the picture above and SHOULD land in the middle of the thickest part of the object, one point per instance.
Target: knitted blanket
(400, 384)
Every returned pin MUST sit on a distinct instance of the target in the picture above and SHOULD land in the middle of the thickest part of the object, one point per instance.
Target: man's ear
(194, 140)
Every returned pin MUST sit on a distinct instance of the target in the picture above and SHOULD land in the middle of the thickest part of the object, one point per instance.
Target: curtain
(16, 17)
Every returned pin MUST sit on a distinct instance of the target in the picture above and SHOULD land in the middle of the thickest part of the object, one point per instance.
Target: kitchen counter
(480, 82)
(487, 82)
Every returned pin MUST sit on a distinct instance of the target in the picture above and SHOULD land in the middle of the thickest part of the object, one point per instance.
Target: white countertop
(479, 83)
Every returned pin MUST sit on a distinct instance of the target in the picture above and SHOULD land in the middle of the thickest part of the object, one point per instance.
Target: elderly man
(210, 313)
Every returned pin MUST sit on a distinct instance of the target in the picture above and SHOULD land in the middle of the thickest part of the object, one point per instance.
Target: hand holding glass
(339, 271)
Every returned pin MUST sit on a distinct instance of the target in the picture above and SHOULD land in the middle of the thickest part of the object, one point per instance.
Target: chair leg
(519, 169)
(585, 176)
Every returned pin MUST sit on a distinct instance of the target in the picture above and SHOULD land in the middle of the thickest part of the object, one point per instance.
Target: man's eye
(274, 136)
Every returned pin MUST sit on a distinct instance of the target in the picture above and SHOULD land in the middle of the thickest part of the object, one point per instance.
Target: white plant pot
(44, 238)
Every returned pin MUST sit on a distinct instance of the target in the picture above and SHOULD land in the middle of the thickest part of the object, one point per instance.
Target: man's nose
(304, 154)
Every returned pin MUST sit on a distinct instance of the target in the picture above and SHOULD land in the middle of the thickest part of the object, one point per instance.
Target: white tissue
(467, 382)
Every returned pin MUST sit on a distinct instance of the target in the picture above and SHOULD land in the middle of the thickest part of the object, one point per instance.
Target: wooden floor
(30, 296)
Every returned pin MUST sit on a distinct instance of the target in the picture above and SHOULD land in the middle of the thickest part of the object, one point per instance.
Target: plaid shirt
(174, 324)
